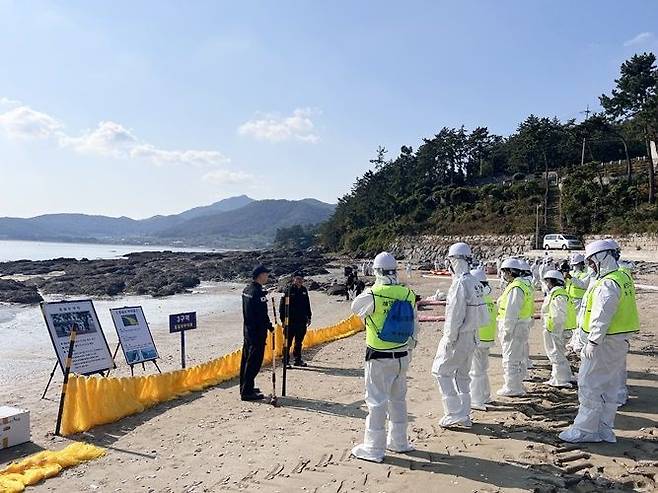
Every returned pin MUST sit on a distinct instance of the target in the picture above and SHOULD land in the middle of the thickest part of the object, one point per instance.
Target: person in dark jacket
(256, 324)
(299, 315)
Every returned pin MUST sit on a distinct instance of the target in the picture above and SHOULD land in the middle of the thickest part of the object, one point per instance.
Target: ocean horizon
(12, 250)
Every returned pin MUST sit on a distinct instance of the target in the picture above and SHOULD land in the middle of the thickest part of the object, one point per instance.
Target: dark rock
(18, 292)
(158, 273)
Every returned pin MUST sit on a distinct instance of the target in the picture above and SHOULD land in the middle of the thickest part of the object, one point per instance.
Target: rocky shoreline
(146, 273)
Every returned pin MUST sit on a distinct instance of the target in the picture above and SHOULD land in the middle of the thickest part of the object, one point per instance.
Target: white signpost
(91, 353)
(134, 335)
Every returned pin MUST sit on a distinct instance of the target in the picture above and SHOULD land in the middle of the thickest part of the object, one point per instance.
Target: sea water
(44, 250)
(26, 351)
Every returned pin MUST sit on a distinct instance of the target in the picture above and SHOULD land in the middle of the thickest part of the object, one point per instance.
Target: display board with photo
(91, 354)
(134, 334)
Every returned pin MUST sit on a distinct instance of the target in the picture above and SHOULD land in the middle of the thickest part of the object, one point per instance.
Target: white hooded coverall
(561, 375)
(465, 313)
(599, 376)
(527, 327)
(480, 387)
(386, 391)
(511, 333)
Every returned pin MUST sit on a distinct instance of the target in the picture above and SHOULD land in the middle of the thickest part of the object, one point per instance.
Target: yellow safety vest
(626, 318)
(570, 322)
(528, 299)
(385, 295)
(488, 331)
(575, 293)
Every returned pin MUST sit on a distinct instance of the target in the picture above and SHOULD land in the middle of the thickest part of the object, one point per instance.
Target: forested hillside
(472, 181)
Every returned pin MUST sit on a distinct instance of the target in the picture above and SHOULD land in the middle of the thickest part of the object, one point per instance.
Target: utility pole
(537, 227)
(582, 155)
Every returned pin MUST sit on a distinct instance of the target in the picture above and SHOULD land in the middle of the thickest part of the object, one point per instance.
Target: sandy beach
(211, 441)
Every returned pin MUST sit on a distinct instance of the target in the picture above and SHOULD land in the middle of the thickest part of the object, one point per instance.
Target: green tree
(636, 97)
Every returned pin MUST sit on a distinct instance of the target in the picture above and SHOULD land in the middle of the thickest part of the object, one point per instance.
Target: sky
(127, 108)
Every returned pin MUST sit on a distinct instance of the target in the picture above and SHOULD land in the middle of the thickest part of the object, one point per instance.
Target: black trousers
(253, 351)
(296, 334)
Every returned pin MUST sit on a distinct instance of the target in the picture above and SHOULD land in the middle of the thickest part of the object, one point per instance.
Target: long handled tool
(286, 338)
(273, 399)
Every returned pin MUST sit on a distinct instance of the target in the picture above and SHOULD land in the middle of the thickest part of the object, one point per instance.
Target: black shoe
(257, 390)
(253, 397)
(301, 363)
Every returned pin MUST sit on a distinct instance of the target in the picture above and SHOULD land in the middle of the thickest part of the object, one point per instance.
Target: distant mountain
(231, 222)
(157, 223)
(261, 217)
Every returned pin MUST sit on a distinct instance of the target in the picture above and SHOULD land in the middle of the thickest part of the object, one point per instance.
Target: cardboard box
(14, 426)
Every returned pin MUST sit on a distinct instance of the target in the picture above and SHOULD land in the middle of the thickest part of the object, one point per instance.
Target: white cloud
(226, 177)
(298, 126)
(107, 139)
(9, 102)
(641, 38)
(25, 123)
(191, 157)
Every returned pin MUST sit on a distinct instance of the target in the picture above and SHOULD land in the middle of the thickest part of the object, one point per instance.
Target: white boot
(373, 447)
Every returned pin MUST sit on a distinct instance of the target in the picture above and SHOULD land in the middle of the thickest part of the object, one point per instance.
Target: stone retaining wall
(427, 249)
(644, 241)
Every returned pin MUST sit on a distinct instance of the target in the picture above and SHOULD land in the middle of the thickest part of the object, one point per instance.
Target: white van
(563, 242)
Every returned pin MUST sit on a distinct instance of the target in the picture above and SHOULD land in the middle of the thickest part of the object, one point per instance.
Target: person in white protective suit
(388, 354)
(577, 280)
(526, 275)
(547, 264)
(610, 318)
(536, 274)
(579, 337)
(515, 307)
(480, 387)
(465, 313)
(626, 267)
(502, 284)
(558, 314)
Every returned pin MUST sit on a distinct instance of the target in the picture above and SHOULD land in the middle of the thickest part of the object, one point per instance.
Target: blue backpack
(399, 324)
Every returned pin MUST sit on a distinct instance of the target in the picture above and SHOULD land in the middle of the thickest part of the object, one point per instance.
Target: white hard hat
(577, 258)
(523, 265)
(385, 261)
(596, 247)
(554, 274)
(479, 275)
(459, 250)
(510, 263)
(613, 244)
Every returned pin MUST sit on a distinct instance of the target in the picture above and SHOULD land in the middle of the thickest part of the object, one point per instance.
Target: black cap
(298, 273)
(259, 270)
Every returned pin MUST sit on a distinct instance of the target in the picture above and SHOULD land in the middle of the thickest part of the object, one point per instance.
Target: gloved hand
(588, 350)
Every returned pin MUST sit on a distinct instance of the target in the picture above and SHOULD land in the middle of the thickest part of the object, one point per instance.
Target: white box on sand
(14, 426)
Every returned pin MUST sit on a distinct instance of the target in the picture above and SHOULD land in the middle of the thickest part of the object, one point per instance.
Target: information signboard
(134, 334)
(91, 353)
